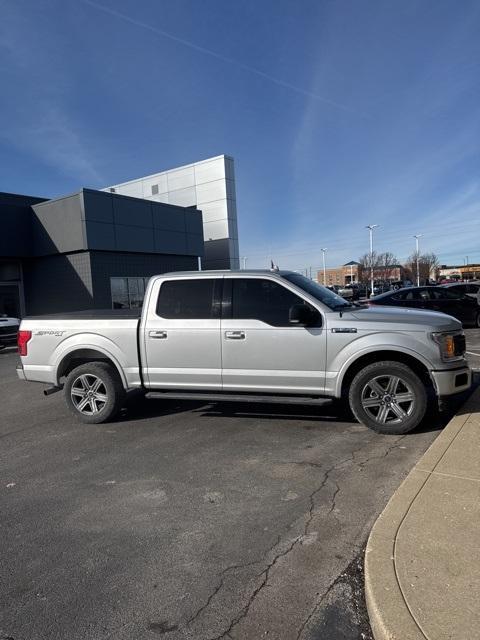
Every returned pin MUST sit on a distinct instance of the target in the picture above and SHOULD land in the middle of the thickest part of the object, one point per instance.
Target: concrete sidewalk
(422, 563)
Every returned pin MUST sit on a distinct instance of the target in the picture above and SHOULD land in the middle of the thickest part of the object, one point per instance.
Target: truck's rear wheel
(94, 392)
(388, 397)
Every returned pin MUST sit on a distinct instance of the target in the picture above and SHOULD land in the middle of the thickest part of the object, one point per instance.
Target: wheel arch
(364, 360)
(84, 355)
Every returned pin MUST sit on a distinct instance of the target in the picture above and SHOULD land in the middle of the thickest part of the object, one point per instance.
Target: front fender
(415, 347)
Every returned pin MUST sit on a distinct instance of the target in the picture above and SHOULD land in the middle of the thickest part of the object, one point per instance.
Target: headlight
(452, 345)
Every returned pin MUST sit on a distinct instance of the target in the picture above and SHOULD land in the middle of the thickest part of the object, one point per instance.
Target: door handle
(158, 335)
(235, 335)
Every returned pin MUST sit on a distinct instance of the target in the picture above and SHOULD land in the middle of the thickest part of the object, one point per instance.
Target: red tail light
(22, 340)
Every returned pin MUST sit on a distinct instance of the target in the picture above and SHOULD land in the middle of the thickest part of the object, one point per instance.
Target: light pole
(371, 227)
(324, 270)
(418, 257)
(244, 262)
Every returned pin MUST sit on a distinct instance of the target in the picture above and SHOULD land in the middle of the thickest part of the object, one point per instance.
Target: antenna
(273, 266)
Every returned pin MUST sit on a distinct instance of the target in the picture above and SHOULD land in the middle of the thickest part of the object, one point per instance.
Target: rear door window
(194, 299)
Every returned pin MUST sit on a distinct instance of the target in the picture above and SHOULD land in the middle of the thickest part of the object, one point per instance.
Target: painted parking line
(472, 353)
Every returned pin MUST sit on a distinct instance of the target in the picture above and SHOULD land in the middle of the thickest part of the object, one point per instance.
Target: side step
(237, 397)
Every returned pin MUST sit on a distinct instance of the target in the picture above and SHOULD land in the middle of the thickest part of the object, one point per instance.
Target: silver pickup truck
(263, 336)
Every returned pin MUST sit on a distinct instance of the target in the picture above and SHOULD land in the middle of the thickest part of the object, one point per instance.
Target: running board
(237, 397)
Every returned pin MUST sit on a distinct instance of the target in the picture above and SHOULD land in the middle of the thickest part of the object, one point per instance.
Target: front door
(261, 350)
(181, 334)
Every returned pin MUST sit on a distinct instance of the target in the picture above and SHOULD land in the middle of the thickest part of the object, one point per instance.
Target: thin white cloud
(40, 123)
(214, 54)
(56, 140)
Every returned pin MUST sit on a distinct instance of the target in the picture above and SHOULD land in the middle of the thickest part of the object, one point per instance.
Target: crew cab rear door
(181, 334)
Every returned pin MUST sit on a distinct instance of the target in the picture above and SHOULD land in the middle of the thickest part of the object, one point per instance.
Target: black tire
(477, 321)
(106, 400)
(383, 406)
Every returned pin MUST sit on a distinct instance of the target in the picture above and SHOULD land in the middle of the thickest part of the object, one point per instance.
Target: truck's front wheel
(388, 397)
(94, 392)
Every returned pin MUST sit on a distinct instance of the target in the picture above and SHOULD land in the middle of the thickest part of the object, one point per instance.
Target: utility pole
(417, 251)
(324, 270)
(371, 227)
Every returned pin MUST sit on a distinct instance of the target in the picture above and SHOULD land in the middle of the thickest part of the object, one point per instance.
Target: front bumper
(452, 381)
(21, 372)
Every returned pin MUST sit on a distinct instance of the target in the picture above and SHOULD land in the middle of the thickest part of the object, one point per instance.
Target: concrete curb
(394, 615)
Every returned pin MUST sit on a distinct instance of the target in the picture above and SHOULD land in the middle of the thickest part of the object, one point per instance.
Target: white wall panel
(133, 189)
(215, 230)
(209, 171)
(183, 197)
(160, 180)
(161, 197)
(181, 178)
(211, 191)
(213, 211)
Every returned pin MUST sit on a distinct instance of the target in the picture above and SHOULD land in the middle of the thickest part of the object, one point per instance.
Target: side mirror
(301, 314)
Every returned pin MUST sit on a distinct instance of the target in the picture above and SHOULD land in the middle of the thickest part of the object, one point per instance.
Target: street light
(324, 270)
(371, 227)
(244, 262)
(418, 257)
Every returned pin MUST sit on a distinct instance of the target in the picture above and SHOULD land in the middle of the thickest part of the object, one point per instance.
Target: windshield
(322, 294)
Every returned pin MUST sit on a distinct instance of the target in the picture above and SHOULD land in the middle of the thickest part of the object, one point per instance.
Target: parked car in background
(348, 292)
(456, 304)
(8, 331)
(467, 288)
(400, 284)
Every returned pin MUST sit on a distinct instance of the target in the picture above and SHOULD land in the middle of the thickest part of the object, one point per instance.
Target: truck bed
(91, 314)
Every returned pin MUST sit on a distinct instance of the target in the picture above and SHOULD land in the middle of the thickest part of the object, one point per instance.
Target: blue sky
(338, 113)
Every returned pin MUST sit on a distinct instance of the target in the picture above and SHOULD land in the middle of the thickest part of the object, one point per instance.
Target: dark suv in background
(466, 288)
(449, 301)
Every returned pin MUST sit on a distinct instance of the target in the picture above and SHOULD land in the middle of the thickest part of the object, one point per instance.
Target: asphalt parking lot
(189, 520)
(473, 347)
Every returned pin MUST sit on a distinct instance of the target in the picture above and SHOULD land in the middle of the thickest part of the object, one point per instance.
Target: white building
(210, 186)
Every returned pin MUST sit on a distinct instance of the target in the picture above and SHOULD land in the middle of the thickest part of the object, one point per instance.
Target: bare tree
(428, 264)
(385, 265)
(366, 262)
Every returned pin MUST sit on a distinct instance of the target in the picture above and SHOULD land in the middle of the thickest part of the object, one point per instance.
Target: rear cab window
(190, 299)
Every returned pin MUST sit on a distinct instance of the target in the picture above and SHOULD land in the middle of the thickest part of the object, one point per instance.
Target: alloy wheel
(388, 399)
(89, 394)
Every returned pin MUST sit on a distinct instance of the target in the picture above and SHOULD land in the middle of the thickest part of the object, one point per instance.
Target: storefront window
(128, 293)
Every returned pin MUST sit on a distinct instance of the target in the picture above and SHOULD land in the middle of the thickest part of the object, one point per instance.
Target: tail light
(22, 339)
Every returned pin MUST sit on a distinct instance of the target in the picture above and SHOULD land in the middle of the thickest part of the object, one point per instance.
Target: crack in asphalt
(310, 515)
(387, 452)
(265, 573)
(333, 504)
(222, 580)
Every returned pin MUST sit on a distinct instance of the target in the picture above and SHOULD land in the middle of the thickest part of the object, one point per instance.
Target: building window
(154, 189)
(112, 189)
(128, 293)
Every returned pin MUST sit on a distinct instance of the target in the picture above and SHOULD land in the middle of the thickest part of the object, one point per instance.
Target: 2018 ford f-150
(271, 336)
